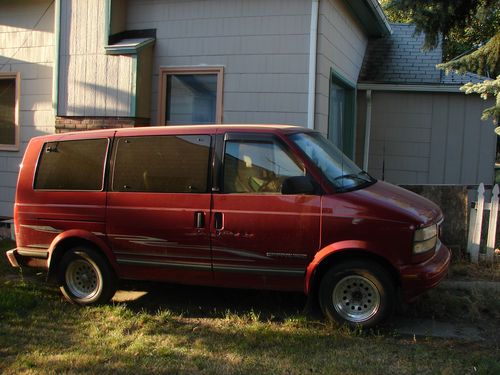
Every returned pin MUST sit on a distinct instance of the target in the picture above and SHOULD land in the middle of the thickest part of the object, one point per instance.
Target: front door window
(257, 167)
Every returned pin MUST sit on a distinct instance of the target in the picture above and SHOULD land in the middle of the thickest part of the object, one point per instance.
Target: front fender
(79, 234)
(333, 248)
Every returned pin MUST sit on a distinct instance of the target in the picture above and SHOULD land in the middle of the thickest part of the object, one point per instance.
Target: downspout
(57, 56)
(368, 126)
(313, 38)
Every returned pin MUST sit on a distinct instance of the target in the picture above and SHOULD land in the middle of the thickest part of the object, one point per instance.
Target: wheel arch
(72, 238)
(318, 267)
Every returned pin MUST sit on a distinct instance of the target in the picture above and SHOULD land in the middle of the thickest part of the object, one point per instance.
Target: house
(422, 129)
(333, 65)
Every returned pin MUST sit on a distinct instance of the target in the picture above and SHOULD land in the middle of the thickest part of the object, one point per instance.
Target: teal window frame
(349, 124)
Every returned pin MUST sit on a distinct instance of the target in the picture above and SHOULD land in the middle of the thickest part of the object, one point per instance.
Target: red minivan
(240, 206)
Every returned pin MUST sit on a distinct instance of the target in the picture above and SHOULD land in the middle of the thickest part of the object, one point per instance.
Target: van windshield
(336, 167)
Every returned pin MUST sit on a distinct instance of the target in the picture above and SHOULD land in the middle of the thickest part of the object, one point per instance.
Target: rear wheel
(357, 293)
(86, 277)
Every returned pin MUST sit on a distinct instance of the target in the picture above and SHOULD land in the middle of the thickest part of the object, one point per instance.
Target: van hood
(389, 202)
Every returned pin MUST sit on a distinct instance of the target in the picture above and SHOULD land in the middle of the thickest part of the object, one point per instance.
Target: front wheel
(86, 277)
(357, 293)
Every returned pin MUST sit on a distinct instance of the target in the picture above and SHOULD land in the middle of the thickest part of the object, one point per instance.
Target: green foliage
(487, 89)
(484, 59)
(461, 25)
(396, 15)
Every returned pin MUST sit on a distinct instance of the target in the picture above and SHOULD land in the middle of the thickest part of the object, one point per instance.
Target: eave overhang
(371, 16)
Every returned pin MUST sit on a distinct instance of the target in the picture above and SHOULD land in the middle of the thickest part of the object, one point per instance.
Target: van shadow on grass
(462, 311)
(210, 302)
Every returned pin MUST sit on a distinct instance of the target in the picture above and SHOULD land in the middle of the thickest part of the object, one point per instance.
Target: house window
(9, 99)
(341, 116)
(190, 96)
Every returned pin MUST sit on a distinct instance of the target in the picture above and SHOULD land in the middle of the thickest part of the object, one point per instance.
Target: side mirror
(297, 185)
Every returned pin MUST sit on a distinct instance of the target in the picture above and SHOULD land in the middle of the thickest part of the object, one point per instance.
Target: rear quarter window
(72, 165)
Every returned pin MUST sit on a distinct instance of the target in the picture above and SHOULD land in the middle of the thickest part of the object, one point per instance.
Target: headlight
(425, 239)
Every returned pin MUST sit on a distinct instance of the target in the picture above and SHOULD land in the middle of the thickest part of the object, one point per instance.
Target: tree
(470, 28)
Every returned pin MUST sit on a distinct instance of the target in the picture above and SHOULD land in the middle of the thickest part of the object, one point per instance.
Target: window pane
(72, 165)
(191, 98)
(337, 115)
(166, 164)
(251, 167)
(7, 111)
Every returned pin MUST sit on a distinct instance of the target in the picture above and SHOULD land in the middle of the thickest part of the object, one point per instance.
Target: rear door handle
(218, 220)
(199, 220)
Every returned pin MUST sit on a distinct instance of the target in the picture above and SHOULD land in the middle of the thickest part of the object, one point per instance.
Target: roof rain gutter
(380, 15)
(313, 38)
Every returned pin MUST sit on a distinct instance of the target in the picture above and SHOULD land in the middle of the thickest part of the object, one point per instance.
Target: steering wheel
(271, 186)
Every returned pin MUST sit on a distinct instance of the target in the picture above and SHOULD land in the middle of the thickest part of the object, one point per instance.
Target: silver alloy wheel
(356, 299)
(83, 279)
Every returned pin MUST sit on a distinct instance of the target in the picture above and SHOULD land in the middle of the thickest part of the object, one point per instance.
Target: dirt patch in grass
(193, 330)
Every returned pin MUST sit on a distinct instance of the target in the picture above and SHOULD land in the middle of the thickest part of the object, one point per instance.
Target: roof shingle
(399, 59)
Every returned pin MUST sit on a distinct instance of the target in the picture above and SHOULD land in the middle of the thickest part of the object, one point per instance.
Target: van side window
(257, 167)
(72, 165)
(162, 164)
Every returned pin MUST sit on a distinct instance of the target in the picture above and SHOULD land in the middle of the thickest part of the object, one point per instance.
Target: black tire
(357, 293)
(85, 277)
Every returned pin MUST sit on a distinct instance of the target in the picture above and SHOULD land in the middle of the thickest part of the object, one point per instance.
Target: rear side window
(162, 164)
(72, 165)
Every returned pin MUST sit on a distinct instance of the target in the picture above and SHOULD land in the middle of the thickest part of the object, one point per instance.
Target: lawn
(188, 330)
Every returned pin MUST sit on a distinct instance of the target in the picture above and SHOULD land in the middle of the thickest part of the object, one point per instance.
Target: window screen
(72, 165)
(257, 167)
(162, 164)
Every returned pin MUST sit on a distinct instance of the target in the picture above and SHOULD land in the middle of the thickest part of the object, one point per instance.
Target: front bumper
(418, 278)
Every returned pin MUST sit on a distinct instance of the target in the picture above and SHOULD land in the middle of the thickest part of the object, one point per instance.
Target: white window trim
(17, 77)
(162, 97)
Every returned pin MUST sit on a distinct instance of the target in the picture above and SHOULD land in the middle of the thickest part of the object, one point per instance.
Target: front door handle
(199, 220)
(219, 221)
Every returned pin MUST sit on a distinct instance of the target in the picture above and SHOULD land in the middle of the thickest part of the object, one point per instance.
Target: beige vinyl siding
(429, 138)
(262, 44)
(341, 46)
(30, 52)
(91, 82)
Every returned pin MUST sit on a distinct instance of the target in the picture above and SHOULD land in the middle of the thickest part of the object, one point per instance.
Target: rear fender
(65, 240)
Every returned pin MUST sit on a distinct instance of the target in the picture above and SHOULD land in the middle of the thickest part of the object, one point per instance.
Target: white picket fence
(476, 223)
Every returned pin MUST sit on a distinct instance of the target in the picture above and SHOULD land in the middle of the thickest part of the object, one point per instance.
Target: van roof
(190, 129)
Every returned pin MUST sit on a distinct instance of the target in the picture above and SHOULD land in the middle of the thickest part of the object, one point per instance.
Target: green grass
(4, 246)
(467, 271)
(187, 330)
